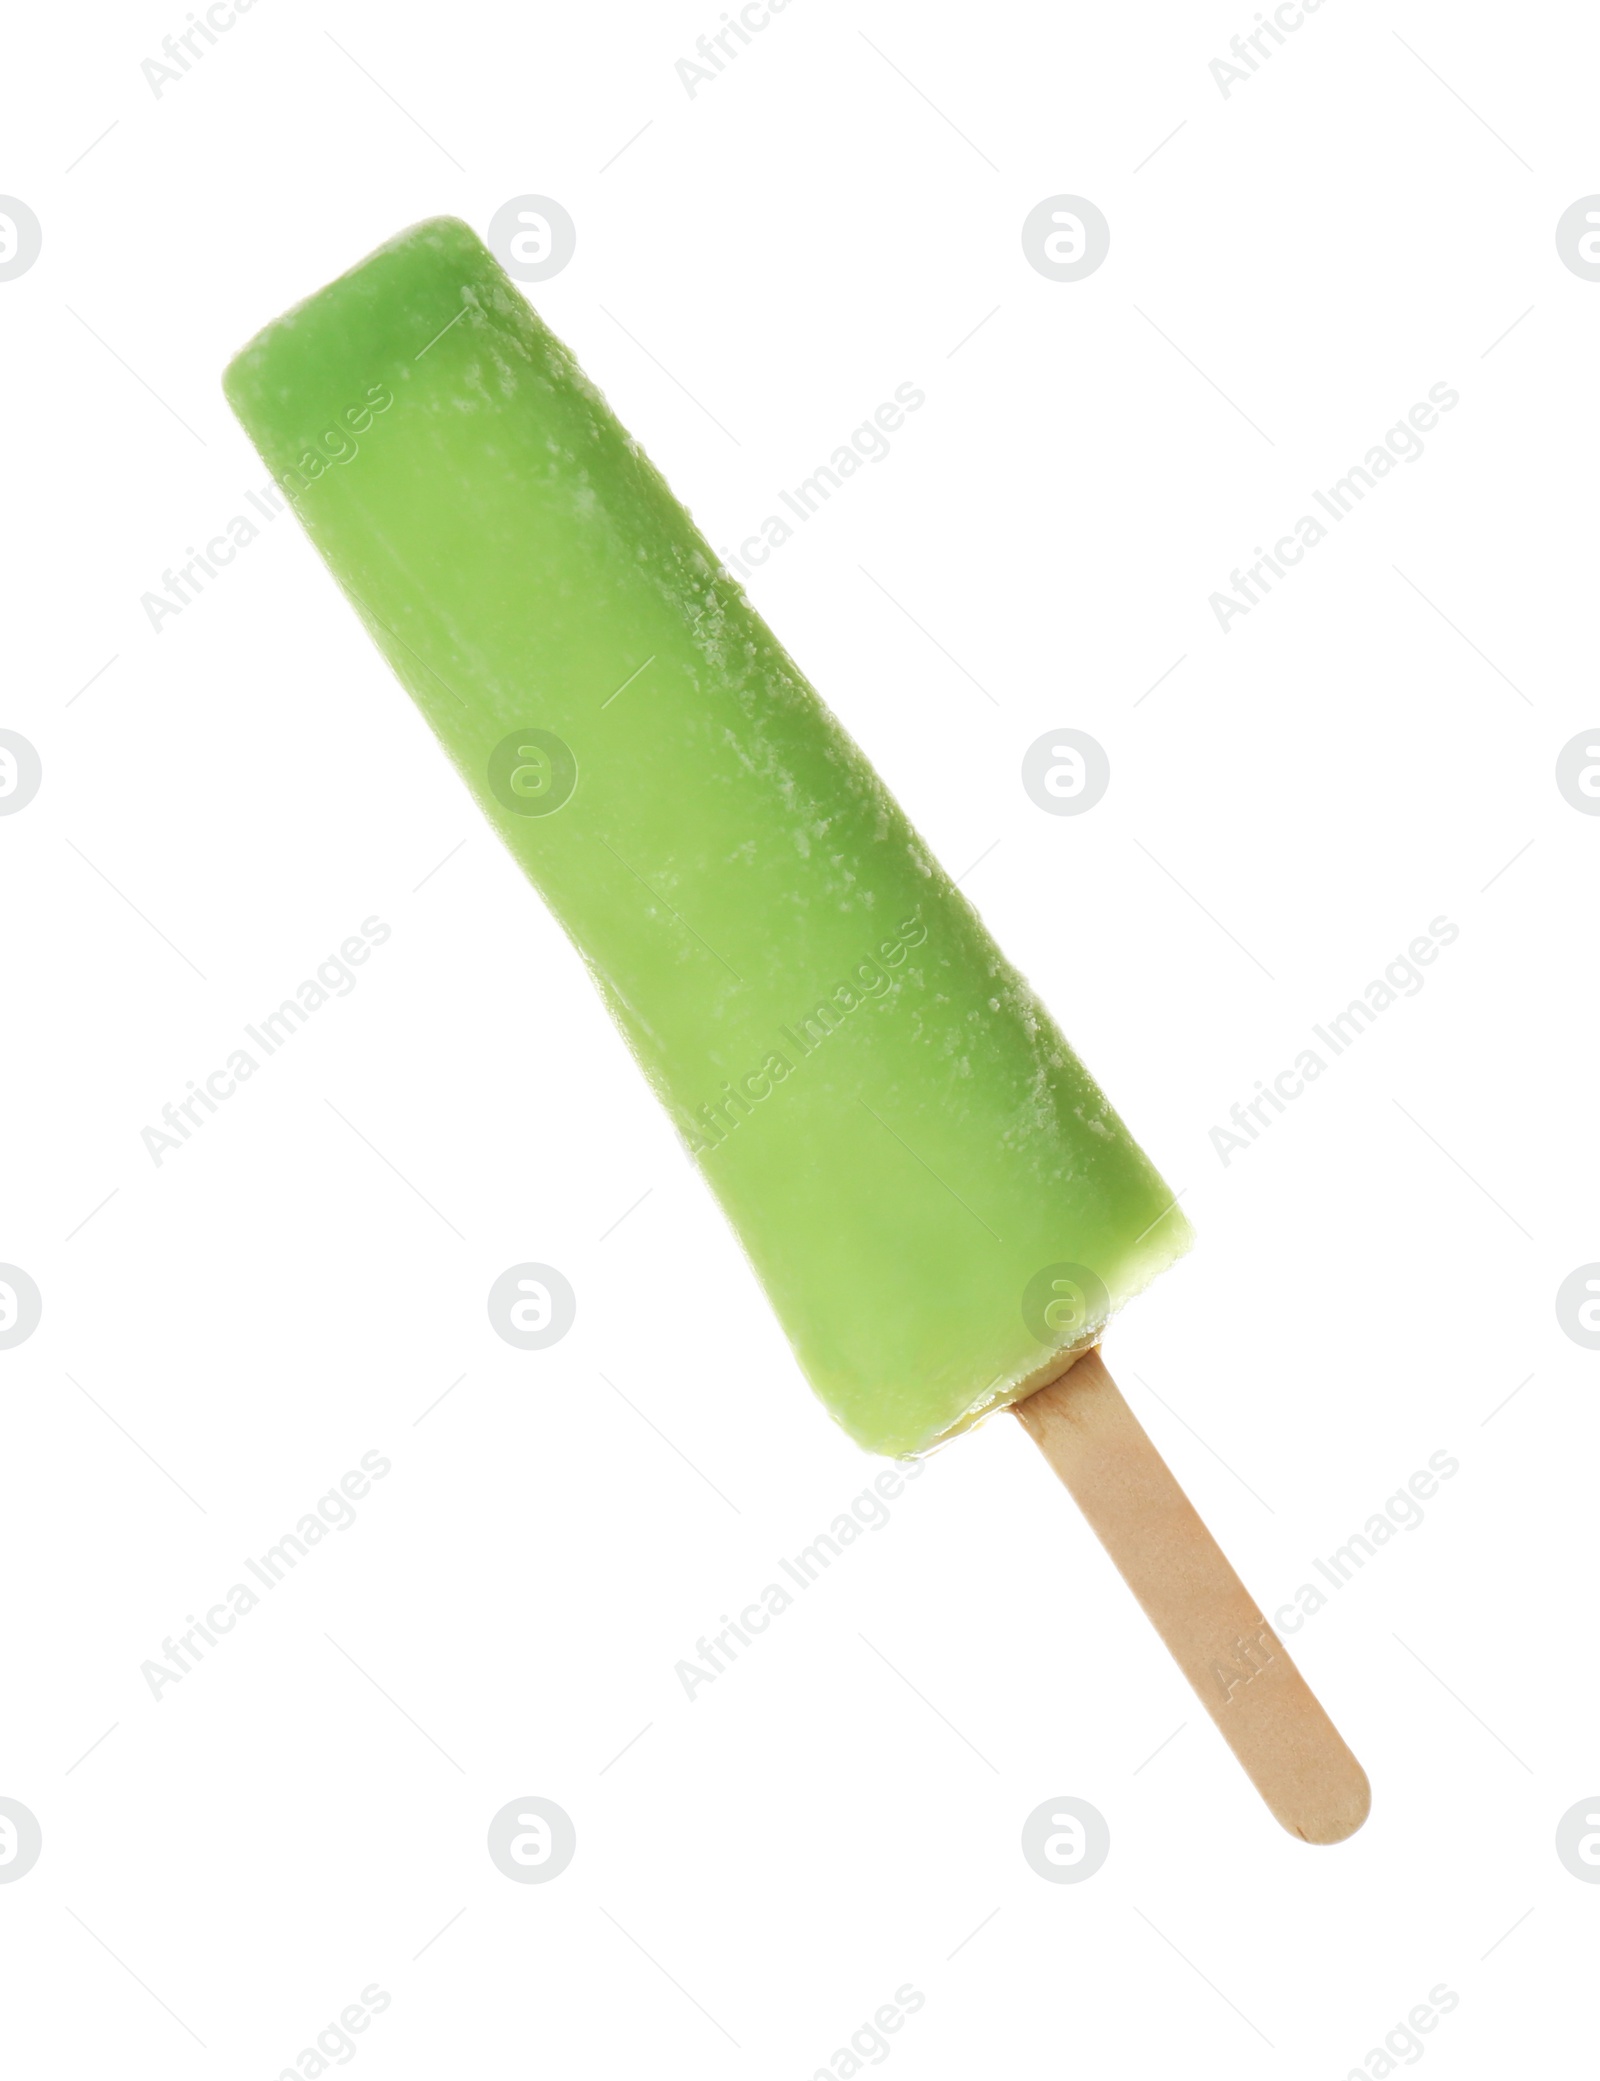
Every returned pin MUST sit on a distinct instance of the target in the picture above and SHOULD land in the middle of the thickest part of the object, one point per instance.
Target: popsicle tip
(446, 233)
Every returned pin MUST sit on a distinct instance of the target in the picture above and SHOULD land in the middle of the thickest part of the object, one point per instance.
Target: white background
(226, 801)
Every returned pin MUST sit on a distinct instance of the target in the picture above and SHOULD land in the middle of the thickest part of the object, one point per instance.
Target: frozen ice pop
(938, 1199)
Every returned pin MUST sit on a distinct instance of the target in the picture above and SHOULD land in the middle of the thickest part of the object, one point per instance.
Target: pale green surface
(727, 863)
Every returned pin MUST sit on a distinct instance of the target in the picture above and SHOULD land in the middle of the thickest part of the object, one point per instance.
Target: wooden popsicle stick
(1241, 1672)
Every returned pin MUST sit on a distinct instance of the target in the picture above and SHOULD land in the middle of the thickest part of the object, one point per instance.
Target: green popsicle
(896, 1129)
(938, 1199)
